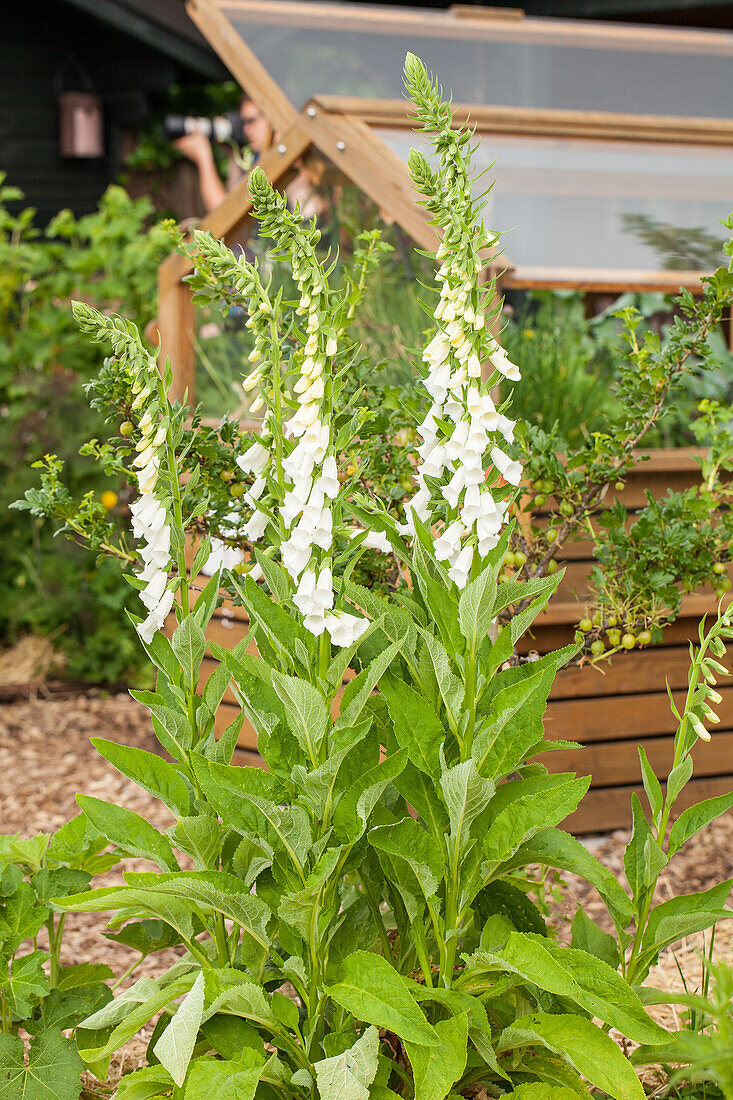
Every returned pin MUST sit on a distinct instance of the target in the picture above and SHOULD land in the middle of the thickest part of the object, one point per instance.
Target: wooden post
(176, 325)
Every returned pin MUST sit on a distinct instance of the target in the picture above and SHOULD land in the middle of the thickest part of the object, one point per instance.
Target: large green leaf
(589, 981)
(530, 806)
(682, 916)
(466, 795)
(216, 890)
(177, 914)
(588, 1049)
(372, 991)
(356, 804)
(512, 726)
(174, 1048)
(234, 1079)
(410, 859)
(129, 830)
(416, 726)
(555, 848)
(448, 684)
(348, 1076)
(436, 1069)
(142, 1084)
(643, 858)
(306, 712)
(475, 608)
(53, 1072)
(189, 645)
(541, 1091)
(359, 690)
(137, 1014)
(20, 917)
(151, 772)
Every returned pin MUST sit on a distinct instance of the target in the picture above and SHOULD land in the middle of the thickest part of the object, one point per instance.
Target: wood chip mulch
(46, 757)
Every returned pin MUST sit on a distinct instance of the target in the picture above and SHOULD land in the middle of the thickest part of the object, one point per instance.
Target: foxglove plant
(357, 922)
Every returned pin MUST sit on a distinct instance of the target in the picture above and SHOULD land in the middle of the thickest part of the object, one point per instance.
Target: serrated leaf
(142, 1084)
(305, 710)
(20, 917)
(417, 728)
(153, 774)
(348, 1076)
(373, 991)
(587, 936)
(199, 837)
(536, 806)
(174, 1049)
(189, 645)
(129, 831)
(588, 1049)
(466, 796)
(436, 1069)
(475, 608)
(410, 859)
(234, 1079)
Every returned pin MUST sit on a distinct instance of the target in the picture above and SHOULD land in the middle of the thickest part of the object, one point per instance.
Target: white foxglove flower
(460, 571)
(222, 556)
(509, 470)
(255, 527)
(500, 361)
(254, 460)
(344, 628)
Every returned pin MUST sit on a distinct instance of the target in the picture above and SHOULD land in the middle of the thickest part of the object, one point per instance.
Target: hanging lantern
(81, 122)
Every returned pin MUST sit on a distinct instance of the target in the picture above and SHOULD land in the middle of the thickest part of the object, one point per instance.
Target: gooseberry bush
(356, 919)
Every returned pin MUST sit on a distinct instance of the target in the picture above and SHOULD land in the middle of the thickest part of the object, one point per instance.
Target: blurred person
(260, 137)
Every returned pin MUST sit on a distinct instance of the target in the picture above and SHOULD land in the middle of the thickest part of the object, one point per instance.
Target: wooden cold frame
(340, 129)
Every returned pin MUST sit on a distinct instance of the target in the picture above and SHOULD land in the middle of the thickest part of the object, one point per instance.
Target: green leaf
(695, 818)
(410, 860)
(228, 1036)
(511, 903)
(449, 686)
(58, 882)
(67, 1008)
(475, 608)
(591, 983)
(348, 1076)
(652, 786)
(466, 796)
(53, 1072)
(682, 916)
(177, 914)
(200, 838)
(513, 725)
(530, 806)
(588, 1049)
(555, 848)
(588, 937)
(643, 858)
(359, 690)
(373, 991)
(216, 890)
(189, 645)
(142, 1084)
(541, 1091)
(245, 999)
(174, 1048)
(26, 851)
(154, 775)
(436, 1069)
(26, 983)
(234, 1079)
(20, 917)
(145, 936)
(128, 1014)
(416, 726)
(129, 831)
(81, 974)
(306, 712)
(356, 804)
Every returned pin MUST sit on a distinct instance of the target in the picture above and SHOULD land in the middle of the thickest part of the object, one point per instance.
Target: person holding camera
(248, 126)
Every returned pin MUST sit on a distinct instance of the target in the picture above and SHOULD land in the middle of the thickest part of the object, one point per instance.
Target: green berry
(237, 490)
(719, 567)
(611, 620)
(645, 638)
(614, 637)
(597, 619)
(520, 558)
(552, 566)
(509, 558)
(540, 500)
(566, 508)
(723, 585)
(619, 486)
(628, 641)
(597, 647)
(226, 475)
(585, 625)
(126, 428)
(552, 535)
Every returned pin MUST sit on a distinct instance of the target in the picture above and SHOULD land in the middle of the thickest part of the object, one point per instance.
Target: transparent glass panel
(314, 48)
(603, 205)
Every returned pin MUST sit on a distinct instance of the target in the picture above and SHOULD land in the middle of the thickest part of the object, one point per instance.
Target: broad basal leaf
(151, 772)
(373, 991)
(234, 1079)
(588, 1049)
(129, 831)
(417, 728)
(436, 1069)
(306, 712)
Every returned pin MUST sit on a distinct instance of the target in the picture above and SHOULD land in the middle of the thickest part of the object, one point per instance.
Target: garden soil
(46, 757)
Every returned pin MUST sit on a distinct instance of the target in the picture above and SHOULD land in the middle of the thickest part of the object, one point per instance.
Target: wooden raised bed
(609, 712)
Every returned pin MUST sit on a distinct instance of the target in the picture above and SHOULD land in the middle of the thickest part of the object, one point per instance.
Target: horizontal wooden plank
(641, 671)
(623, 717)
(617, 762)
(603, 810)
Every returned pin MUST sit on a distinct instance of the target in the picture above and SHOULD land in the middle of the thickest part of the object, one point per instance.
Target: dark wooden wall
(36, 37)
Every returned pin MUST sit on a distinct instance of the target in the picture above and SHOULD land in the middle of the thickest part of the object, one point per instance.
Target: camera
(226, 127)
